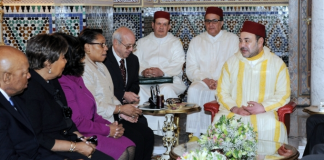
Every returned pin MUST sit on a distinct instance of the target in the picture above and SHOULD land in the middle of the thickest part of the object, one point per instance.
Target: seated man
(315, 135)
(17, 137)
(160, 54)
(253, 84)
(317, 152)
(123, 67)
(205, 57)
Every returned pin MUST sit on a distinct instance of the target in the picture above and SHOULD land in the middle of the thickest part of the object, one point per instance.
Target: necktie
(13, 105)
(123, 70)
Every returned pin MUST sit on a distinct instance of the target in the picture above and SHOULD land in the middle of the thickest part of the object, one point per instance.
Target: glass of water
(321, 106)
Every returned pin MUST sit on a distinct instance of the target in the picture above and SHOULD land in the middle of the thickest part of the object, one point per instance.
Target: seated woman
(49, 116)
(99, 82)
(83, 105)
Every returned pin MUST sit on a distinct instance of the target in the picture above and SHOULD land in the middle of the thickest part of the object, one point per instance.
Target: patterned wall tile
(22, 22)
(69, 23)
(101, 18)
(68, 19)
(187, 22)
(18, 28)
(131, 20)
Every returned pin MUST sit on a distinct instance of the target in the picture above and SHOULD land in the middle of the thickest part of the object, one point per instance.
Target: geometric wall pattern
(17, 29)
(188, 23)
(100, 17)
(22, 22)
(68, 19)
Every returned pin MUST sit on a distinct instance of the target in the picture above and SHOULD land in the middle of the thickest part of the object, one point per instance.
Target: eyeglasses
(103, 45)
(212, 21)
(128, 46)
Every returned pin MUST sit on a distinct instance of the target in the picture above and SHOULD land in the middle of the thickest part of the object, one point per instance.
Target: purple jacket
(83, 105)
(85, 116)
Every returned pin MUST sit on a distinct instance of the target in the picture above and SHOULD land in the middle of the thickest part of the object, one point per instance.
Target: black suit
(132, 70)
(47, 116)
(132, 85)
(17, 138)
(315, 134)
(138, 132)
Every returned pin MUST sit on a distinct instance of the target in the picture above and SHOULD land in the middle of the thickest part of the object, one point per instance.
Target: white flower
(234, 137)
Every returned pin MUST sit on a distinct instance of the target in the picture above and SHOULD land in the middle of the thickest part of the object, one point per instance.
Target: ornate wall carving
(150, 3)
(22, 22)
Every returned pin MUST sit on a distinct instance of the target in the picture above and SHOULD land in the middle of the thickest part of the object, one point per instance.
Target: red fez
(215, 10)
(255, 28)
(162, 14)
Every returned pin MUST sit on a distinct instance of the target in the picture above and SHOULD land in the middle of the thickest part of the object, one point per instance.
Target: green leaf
(228, 154)
(240, 154)
(235, 154)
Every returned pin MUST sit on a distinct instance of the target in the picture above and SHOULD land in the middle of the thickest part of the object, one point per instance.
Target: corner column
(317, 60)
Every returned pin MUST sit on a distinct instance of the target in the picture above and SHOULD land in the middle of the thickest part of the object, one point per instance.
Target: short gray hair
(117, 36)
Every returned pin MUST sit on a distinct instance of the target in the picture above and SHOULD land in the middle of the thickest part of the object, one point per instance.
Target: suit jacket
(17, 137)
(45, 113)
(132, 70)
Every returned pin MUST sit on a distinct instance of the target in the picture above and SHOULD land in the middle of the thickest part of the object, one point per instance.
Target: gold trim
(181, 109)
(311, 112)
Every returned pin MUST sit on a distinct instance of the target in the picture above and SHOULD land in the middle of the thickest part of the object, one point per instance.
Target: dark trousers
(314, 131)
(317, 153)
(142, 136)
(97, 155)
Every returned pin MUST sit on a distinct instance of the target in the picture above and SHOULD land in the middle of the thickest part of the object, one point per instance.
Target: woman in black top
(50, 116)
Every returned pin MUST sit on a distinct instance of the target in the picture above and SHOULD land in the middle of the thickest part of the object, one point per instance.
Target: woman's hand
(84, 148)
(68, 146)
(116, 130)
(128, 118)
(78, 134)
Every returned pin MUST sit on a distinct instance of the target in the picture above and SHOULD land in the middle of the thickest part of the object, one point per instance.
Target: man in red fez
(160, 54)
(254, 84)
(205, 57)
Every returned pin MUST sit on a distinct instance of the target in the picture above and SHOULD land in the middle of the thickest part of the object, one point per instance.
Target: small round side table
(171, 123)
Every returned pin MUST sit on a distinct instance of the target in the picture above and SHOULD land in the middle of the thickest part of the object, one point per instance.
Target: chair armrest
(284, 114)
(212, 107)
(286, 109)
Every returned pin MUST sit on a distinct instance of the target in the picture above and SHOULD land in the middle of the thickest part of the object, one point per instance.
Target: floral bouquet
(203, 154)
(234, 138)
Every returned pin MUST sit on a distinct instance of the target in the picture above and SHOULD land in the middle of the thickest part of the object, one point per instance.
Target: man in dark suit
(126, 85)
(17, 138)
(125, 93)
(123, 67)
(315, 137)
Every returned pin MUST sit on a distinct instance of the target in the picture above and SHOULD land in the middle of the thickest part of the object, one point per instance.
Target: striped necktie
(123, 70)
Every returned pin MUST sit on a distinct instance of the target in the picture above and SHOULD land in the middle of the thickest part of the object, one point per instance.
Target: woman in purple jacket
(83, 105)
